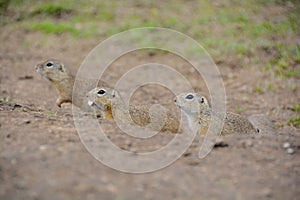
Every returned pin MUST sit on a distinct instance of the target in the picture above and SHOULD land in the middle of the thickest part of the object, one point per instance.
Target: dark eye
(101, 92)
(190, 96)
(49, 64)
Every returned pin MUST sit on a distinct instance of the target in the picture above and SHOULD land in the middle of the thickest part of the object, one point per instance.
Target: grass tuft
(7, 99)
(295, 121)
(259, 89)
(296, 108)
(56, 10)
(51, 27)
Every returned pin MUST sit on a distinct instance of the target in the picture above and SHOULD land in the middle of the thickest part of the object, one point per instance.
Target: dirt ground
(42, 157)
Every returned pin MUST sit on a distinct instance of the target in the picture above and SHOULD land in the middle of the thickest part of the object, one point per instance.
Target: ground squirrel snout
(56, 72)
(112, 107)
(198, 111)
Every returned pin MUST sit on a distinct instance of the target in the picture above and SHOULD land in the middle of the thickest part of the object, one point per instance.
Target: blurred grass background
(235, 33)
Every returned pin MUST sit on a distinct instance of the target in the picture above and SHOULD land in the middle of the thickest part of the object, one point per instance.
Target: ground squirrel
(198, 111)
(112, 107)
(61, 77)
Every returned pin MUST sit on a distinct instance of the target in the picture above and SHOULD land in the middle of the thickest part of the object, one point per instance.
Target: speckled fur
(199, 113)
(113, 108)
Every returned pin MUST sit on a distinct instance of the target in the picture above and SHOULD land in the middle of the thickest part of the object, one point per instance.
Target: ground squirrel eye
(49, 64)
(190, 96)
(101, 92)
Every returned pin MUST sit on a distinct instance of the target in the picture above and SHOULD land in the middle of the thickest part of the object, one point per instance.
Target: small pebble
(221, 144)
(21, 185)
(25, 77)
(286, 145)
(247, 143)
(186, 154)
(267, 192)
(43, 147)
(27, 121)
(13, 161)
(290, 151)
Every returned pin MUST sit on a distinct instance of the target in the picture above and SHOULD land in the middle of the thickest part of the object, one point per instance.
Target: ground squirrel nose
(175, 99)
(90, 103)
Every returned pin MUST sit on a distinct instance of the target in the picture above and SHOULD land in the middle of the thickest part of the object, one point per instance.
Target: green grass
(259, 89)
(3, 6)
(262, 89)
(287, 61)
(245, 35)
(270, 87)
(51, 10)
(50, 27)
(105, 15)
(240, 110)
(295, 121)
(7, 99)
(296, 108)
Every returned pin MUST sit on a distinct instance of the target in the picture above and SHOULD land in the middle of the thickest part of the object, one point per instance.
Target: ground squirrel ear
(59, 66)
(202, 100)
(62, 67)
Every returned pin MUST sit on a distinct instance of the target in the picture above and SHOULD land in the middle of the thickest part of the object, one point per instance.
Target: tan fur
(113, 108)
(199, 113)
(63, 81)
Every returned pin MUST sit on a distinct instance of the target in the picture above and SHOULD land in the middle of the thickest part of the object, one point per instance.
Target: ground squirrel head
(102, 98)
(52, 70)
(191, 103)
